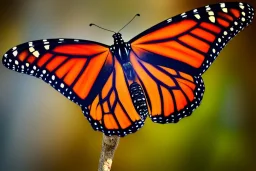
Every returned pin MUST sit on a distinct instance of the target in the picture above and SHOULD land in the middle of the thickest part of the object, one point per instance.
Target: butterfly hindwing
(171, 94)
(114, 111)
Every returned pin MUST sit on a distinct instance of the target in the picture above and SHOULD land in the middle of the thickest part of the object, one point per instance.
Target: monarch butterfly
(157, 73)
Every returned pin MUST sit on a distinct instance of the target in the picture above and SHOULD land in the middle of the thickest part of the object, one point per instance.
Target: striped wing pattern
(185, 45)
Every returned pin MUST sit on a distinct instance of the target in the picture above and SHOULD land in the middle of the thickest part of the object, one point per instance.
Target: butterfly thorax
(121, 51)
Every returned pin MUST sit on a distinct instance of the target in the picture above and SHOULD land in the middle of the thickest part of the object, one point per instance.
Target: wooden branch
(109, 145)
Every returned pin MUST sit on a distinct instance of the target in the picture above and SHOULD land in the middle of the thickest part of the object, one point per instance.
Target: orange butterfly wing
(190, 42)
(76, 68)
(86, 73)
(171, 94)
(170, 57)
(113, 110)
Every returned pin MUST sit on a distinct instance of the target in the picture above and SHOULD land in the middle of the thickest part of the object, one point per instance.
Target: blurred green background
(41, 130)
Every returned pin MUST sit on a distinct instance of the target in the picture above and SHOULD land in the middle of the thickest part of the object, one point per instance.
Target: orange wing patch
(167, 32)
(223, 22)
(204, 34)
(55, 62)
(235, 12)
(187, 76)
(173, 50)
(113, 108)
(180, 99)
(80, 49)
(167, 92)
(168, 102)
(44, 59)
(226, 16)
(31, 59)
(211, 27)
(89, 75)
(110, 122)
(196, 43)
(67, 67)
(158, 74)
(23, 55)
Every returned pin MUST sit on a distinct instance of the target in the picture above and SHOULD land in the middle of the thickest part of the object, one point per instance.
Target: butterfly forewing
(191, 41)
(76, 68)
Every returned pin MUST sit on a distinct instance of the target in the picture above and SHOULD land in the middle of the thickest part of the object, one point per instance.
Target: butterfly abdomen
(139, 100)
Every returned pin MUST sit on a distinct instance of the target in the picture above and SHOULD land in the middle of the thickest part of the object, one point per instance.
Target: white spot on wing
(36, 54)
(15, 53)
(222, 5)
(31, 49)
(241, 6)
(169, 20)
(47, 47)
(210, 13)
(208, 8)
(197, 16)
(225, 10)
(212, 19)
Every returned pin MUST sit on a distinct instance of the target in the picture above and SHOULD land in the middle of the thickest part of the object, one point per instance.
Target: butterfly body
(121, 51)
(157, 73)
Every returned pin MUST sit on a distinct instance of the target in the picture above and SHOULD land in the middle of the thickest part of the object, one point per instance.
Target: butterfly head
(118, 38)
(117, 35)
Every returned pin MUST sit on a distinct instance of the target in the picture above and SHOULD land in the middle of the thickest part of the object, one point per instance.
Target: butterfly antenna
(137, 15)
(101, 27)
